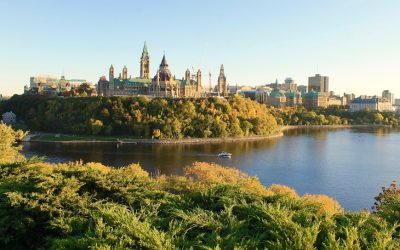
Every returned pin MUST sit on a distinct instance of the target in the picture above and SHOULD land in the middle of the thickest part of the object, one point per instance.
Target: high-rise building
(318, 83)
(222, 88)
(386, 94)
(290, 84)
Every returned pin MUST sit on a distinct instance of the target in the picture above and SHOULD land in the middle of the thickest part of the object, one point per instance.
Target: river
(350, 165)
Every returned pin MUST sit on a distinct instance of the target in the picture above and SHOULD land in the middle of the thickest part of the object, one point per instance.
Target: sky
(354, 42)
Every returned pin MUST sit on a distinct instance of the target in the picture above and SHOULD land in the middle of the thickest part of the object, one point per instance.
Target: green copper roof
(292, 94)
(276, 93)
(311, 93)
(132, 81)
(183, 82)
(145, 52)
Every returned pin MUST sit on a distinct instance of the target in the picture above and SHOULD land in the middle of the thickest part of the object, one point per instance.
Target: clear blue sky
(355, 42)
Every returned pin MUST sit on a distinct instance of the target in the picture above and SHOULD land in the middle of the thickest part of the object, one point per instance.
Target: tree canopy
(144, 117)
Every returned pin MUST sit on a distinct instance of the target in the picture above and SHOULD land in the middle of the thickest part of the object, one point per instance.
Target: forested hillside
(144, 117)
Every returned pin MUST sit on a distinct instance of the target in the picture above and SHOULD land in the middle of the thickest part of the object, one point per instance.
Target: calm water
(350, 165)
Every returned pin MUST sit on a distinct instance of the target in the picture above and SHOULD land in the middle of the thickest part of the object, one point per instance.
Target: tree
(8, 152)
(156, 133)
(175, 118)
(96, 126)
(387, 203)
(378, 118)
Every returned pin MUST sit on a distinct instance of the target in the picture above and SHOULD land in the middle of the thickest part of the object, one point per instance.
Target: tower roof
(164, 73)
(164, 61)
(145, 52)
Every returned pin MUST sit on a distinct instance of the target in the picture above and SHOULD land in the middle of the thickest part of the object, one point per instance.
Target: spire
(145, 52)
(111, 67)
(221, 71)
(164, 61)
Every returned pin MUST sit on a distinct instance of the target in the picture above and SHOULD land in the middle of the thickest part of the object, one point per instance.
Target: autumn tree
(8, 152)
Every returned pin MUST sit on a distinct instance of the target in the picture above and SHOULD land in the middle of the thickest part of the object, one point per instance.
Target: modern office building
(290, 85)
(318, 83)
(386, 94)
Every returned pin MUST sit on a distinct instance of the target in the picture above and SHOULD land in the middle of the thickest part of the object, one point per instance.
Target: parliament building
(163, 84)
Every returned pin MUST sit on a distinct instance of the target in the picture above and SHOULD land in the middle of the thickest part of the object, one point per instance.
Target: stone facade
(163, 84)
(222, 88)
(52, 86)
(315, 99)
(370, 103)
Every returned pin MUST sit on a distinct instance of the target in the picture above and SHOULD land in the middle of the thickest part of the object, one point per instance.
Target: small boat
(225, 155)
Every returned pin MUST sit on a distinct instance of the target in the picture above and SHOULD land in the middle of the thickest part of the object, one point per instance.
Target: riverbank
(65, 138)
(290, 127)
(61, 138)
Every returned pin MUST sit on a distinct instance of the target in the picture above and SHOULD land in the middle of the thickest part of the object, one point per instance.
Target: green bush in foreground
(80, 206)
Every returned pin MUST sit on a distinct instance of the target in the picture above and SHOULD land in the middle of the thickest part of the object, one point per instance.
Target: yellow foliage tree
(8, 152)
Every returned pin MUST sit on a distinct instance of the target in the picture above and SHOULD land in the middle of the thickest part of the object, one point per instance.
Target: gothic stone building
(164, 84)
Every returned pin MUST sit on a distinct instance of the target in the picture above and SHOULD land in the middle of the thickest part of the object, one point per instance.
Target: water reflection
(168, 159)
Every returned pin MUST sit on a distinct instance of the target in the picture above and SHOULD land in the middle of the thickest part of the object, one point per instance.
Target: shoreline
(30, 137)
(291, 127)
(159, 141)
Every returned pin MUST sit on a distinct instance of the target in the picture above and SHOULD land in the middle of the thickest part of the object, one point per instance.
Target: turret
(187, 75)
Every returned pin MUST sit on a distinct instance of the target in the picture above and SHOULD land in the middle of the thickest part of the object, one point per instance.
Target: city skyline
(352, 42)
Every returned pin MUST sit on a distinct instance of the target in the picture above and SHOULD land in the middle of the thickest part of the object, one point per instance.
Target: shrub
(136, 170)
(282, 189)
(326, 203)
(211, 174)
